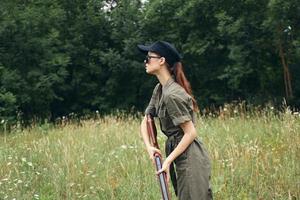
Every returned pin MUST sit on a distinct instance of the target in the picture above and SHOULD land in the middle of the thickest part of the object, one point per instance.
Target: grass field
(255, 156)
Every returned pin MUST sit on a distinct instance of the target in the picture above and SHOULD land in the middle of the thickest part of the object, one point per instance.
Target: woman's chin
(148, 71)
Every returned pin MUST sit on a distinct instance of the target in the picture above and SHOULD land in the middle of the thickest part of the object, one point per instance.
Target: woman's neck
(163, 77)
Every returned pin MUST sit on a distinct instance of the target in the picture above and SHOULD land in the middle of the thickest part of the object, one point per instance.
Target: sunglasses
(149, 57)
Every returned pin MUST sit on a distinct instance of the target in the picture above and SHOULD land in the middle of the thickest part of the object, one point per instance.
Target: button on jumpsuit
(191, 173)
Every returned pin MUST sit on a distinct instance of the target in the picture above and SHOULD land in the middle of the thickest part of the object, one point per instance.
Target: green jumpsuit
(191, 174)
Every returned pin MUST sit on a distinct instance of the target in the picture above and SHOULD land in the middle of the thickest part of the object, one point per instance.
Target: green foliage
(59, 57)
(283, 21)
(7, 107)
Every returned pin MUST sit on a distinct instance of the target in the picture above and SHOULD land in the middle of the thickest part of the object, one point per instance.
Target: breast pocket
(162, 112)
(162, 118)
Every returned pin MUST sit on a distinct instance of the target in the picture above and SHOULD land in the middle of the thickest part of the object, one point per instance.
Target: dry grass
(253, 156)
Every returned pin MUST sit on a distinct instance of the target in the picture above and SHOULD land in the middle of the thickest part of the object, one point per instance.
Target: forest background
(65, 58)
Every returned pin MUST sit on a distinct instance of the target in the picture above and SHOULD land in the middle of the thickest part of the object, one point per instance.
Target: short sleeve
(179, 108)
(151, 106)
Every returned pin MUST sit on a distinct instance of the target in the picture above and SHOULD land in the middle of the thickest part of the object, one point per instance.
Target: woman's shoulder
(175, 91)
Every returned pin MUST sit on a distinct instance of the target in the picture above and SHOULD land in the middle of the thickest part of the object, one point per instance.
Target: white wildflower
(36, 196)
(89, 172)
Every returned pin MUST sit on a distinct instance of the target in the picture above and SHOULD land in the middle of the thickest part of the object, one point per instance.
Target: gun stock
(162, 178)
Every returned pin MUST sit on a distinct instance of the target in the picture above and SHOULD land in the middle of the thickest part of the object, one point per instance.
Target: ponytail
(180, 78)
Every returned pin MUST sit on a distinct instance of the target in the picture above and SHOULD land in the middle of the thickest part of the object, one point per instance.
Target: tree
(283, 22)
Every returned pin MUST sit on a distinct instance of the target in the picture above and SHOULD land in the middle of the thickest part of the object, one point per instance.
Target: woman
(172, 102)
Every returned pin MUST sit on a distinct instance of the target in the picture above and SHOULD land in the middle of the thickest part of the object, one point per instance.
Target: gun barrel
(157, 157)
(162, 178)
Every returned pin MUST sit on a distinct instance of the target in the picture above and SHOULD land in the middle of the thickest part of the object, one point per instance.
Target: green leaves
(59, 57)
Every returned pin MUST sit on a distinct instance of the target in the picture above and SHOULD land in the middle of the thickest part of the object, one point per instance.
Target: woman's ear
(162, 60)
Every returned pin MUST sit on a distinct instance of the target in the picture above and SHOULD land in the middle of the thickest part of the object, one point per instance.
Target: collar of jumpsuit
(168, 83)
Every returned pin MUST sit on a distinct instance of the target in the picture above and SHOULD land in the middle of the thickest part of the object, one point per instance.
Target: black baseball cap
(164, 49)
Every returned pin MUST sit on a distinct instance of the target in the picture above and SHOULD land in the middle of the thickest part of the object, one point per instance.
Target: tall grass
(253, 156)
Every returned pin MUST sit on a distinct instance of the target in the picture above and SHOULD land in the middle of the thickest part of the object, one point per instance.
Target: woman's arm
(189, 135)
(144, 134)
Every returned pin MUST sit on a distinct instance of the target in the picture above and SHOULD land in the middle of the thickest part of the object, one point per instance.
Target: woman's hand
(165, 168)
(151, 150)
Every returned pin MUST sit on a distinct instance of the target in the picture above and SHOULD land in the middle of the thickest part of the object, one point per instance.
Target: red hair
(180, 78)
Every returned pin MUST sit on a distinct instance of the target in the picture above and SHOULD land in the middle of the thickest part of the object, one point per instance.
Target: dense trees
(59, 57)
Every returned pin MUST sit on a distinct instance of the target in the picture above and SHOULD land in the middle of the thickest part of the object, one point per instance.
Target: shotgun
(162, 178)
